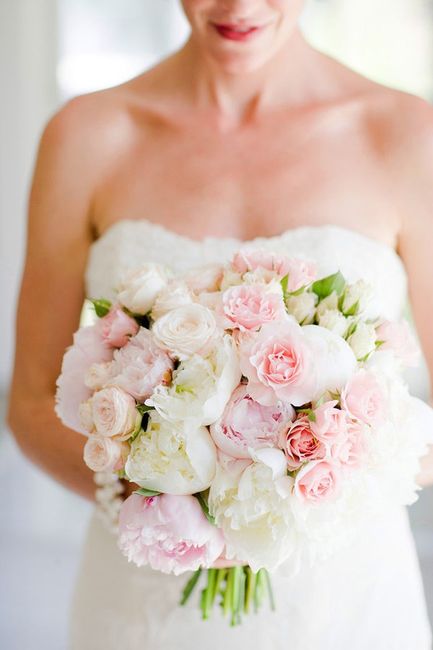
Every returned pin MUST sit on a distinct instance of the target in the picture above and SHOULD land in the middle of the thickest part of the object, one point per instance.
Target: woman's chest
(256, 182)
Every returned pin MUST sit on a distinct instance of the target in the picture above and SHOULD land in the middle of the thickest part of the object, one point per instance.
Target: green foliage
(101, 307)
(144, 492)
(323, 288)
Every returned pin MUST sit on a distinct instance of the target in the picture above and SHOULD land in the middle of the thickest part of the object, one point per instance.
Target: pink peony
(278, 364)
(117, 327)
(301, 445)
(169, 533)
(141, 365)
(88, 348)
(248, 307)
(364, 398)
(351, 450)
(329, 423)
(399, 338)
(105, 454)
(250, 259)
(301, 273)
(318, 481)
(246, 424)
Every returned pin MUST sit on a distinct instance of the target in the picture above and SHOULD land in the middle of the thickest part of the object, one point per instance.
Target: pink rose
(278, 364)
(399, 338)
(250, 259)
(318, 481)
(329, 423)
(351, 449)
(301, 445)
(246, 424)
(364, 399)
(117, 327)
(114, 413)
(88, 348)
(169, 533)
(141, 365)
(105, 454)
(248, 307)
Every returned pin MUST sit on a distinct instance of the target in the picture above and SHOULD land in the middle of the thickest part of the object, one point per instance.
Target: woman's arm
(52, 294)
(414, 169)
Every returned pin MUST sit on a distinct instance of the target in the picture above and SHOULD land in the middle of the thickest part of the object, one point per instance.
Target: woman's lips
(236, 32)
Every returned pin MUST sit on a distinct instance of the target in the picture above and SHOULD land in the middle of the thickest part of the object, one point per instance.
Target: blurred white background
(51, 50)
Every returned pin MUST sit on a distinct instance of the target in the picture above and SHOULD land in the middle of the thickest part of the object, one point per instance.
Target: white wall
(27, 78)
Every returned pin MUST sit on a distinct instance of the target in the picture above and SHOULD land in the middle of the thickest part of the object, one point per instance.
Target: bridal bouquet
(260, 409)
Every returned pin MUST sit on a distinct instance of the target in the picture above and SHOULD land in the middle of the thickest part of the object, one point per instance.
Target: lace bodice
(129, 243)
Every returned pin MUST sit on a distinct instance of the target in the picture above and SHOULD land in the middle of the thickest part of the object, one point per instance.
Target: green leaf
(143, 408)
(284, 283)
(189, 587)
(101, 306)
(352, 310)
(144, 492)
(309, 413)
(323, 288)
(351, 330)
(204, 506)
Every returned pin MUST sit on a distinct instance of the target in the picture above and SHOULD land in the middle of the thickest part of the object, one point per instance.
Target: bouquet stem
(236, 588)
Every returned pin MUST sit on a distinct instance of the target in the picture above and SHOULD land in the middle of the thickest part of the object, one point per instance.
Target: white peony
(139, 288)
(333, 320)
(254, 511)
(302, 307)
(334, 359)
(363, 340)
(175, 294)
(201, 386)
(186, 330)
(174, 458)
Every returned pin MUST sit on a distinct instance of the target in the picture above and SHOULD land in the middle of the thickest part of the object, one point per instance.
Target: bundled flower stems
(259, 408)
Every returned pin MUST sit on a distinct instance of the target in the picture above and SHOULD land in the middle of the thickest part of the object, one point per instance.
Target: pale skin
(224, 138)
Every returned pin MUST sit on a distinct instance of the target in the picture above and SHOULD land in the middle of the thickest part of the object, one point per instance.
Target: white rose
(328, 303)
(203, 278)
(302, 307)
(201, 386)
(114, 413)
(175, 294)
(173, 458)
(254, 511)
(140, 287)
(186, 330)
(334, 359)
(363, 340)
(356, 297)
(333, 320)
(103, 454)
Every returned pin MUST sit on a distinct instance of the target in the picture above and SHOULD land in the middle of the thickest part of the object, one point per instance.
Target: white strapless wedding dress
(368, 597)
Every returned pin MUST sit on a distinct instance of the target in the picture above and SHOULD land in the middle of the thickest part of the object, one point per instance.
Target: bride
(246, 133)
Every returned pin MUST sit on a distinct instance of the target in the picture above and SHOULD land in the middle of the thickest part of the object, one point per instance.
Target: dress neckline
(113, 229)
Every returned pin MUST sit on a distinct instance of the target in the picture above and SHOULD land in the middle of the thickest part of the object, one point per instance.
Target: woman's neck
(289, 78)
